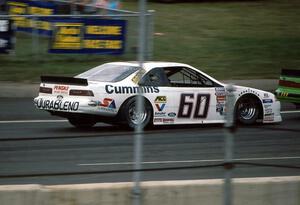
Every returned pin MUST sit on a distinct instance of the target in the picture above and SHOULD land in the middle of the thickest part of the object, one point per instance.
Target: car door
(185, 96)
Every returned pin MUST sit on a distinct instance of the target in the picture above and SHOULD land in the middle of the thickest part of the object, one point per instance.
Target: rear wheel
(82, 122)
(132, 117)
(247, 110)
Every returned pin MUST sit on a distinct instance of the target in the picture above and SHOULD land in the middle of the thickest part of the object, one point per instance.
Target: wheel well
(124, 103)
(252, 96)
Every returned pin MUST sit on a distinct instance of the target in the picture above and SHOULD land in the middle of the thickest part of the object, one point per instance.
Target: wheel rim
(136, 117)
(247, 109)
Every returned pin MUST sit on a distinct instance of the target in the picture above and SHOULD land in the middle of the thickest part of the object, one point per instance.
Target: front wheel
(132, 117)
(247, 110)
(82, 122)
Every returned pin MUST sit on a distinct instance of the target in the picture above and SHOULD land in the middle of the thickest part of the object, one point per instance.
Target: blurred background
(227, 39)
(244, 40)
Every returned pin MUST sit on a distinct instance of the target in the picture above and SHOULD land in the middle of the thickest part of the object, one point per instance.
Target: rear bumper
(80, 105)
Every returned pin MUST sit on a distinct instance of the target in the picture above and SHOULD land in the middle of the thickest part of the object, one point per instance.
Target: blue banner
(23, 7)
(101, 36)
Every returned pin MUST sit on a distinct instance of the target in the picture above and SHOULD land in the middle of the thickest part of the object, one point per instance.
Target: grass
(228, 40)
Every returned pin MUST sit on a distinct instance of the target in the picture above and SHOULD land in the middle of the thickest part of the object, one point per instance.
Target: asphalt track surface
(36, 148)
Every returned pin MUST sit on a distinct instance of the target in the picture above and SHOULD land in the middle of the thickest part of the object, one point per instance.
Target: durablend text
(57, 105)
(110, 89)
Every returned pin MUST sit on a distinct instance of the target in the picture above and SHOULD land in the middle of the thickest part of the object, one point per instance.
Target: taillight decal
(45, 90)
(81, 92)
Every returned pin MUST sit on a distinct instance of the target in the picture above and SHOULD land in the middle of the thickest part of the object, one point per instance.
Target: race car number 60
(187, 104)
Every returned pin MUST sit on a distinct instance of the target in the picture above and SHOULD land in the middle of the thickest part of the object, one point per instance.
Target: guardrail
(251, 191)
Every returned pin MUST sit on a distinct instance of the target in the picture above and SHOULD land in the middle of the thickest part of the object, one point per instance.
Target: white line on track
(189, 161)
(47, 121)
(289, 112)
(30, 121)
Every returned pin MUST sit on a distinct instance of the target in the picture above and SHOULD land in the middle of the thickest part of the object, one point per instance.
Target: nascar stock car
(289, 87)
(173, 93)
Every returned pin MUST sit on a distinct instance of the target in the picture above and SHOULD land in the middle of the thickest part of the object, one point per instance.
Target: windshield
(108, 73)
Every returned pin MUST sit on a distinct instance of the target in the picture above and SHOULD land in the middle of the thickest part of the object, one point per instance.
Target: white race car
(173, 93)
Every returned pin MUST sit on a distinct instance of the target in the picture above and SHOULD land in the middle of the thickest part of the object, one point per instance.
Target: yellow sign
(104, 30)
(103, 44)
(18, 8)
(102, 36)
(40, 11)
(67, 36)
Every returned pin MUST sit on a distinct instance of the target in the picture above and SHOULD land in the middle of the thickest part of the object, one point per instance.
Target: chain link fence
(31, 46)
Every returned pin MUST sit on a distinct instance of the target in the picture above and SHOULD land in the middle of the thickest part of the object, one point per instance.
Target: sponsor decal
(108, 102)
(110, 89)
(168, 120)
(269, 117)
(249, 91)
(160, 99)
(266, 95)
(220, 98)
(164, 120)
(267, 106)
(267, 101)
(56, 105)
(220, 108)
(160, 103)
(107, 105)
(172, 114)
(158, 120)
(269, 111)
(160, 107)
(160, 114)
(63, 89)
(220, 91)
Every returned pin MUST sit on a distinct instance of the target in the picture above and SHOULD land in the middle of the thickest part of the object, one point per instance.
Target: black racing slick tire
(82, 122)
(132, 118)
(247, 110)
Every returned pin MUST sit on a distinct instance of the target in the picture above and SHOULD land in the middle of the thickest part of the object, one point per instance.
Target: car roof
(148, 65)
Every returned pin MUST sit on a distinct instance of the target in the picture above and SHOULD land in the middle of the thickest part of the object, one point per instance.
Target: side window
(155, 77)
(186, 77)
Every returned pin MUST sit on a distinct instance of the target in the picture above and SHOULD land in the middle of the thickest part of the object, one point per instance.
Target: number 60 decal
(187, 104)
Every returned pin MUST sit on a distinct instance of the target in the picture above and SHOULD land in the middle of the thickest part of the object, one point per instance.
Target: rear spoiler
(290, 72)
(64, 80)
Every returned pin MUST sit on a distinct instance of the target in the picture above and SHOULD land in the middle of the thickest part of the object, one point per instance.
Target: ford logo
(172, 114)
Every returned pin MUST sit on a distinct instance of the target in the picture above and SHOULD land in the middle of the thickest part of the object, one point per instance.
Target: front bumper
(272, 112)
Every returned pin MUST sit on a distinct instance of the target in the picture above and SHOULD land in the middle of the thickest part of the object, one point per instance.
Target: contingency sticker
(160, 103)
(220, 100)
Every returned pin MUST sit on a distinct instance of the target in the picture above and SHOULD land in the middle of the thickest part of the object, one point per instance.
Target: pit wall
(247, 191)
